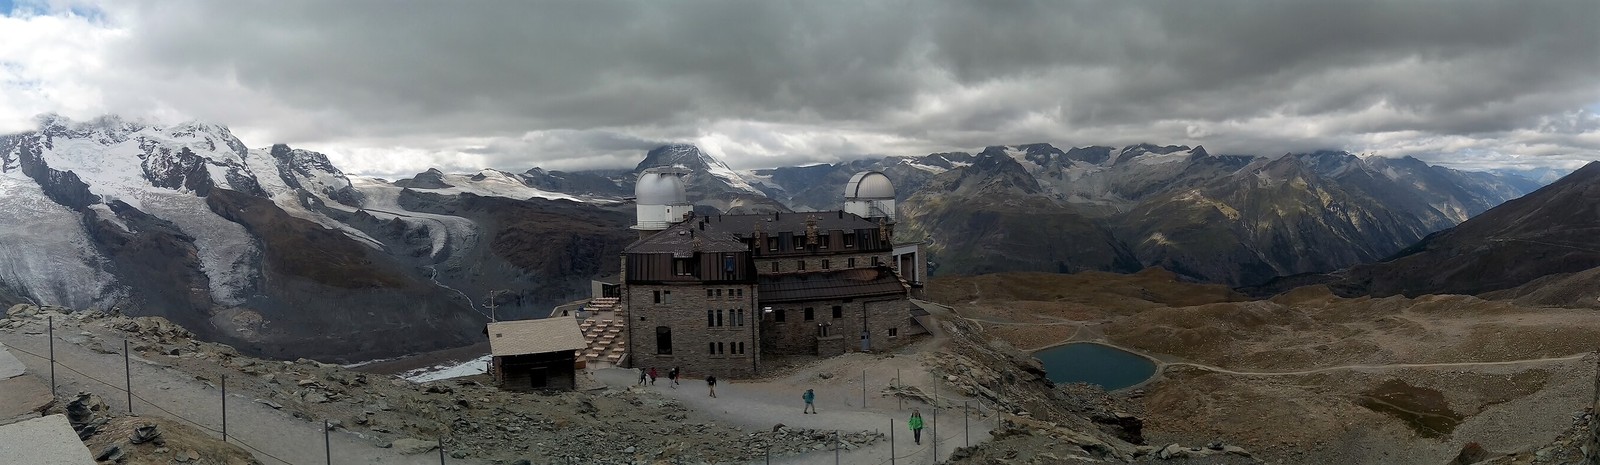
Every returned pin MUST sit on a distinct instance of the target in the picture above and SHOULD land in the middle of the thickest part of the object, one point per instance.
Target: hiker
(642, 376)
(916, 425)
(711, 383)
(809, 397)
(652, 376)
(673, 375)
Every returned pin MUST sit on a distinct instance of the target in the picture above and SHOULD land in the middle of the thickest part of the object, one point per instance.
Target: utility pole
(491, 304)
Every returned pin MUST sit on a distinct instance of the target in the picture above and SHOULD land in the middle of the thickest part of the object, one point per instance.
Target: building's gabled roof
(523, 337)
(826, 285)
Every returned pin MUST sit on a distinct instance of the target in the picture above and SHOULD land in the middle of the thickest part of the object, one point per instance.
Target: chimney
(841, 214)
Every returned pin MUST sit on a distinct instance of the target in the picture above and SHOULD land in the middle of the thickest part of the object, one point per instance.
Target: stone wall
(798, 336)
(694, 338)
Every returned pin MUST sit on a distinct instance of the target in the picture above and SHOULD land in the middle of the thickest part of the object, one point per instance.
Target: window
(822, 330)
(777, 315)
(850, 262)
(711, 318)
(719, 292)
(838, 312)
(824, 264)
(809, 315)
(663, 340)
(849, 240)
(680, 266)
(719, 349)
(800, 265)
(711, 348)
(894, 332)
(719, 318)
(736, 347)
(658, 297)
(774, 267)
(740, 292)
(876, 260)
(666, 297)
(824, 239)
(772, 244)
(727, 263)
(708, 293)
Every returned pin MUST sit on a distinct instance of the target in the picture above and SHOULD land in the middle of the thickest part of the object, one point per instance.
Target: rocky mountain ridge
(276, 250)
(1540, 247)
(257, 246)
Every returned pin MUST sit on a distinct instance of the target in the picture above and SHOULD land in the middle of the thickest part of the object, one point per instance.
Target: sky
(391, 88)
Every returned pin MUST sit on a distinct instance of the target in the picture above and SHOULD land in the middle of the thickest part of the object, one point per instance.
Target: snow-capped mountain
(276, 250)
(710, 182)
(1231, 219)
(279, 252)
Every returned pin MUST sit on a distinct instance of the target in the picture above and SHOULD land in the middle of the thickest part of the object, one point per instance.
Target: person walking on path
(810, 397)
(711, 383)
(642, 376)
(652, 376)
(672, 375)
(916, 425)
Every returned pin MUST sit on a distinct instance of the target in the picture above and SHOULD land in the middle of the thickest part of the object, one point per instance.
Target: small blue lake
(1107, 366)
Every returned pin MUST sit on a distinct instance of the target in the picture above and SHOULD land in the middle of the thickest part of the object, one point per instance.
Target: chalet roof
(842, 284)
(721, 233)
(523, 337)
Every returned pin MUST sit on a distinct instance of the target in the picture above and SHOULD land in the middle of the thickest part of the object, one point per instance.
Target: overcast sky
(395, 87)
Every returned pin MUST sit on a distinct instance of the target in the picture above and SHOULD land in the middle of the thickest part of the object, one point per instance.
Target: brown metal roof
(687, 238)
(721, 233)
(843, 284)
(523, 337)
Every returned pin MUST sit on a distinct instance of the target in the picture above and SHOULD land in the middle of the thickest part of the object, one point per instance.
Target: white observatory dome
(869, 185)
(660, 188)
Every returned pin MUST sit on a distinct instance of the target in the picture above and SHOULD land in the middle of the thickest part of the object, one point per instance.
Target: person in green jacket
(916, 425)
(809, 397)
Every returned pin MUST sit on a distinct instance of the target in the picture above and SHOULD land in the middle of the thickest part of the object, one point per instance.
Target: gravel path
(760, 404)
(274, 436)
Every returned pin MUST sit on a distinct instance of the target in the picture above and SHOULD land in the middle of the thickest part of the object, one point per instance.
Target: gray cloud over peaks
(405, 85)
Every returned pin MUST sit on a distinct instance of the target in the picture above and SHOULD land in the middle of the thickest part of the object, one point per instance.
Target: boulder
(20, 311)
(413, 446)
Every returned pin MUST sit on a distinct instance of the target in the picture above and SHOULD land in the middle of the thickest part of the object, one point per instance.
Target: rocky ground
(1308, 377)
(475, 421)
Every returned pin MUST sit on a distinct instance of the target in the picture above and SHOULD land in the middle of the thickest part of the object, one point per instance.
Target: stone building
(715, 294)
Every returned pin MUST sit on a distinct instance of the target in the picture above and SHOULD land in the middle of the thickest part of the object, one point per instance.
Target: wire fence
(125, 388)
(935, 401)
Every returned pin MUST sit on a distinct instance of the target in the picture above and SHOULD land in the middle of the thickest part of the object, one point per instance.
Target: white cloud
(394, 90)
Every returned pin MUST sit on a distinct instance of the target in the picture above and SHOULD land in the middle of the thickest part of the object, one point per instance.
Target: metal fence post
(327, 442)
(966, 423)
(127, 368)
(50, 321)
(441, 450)
(836, 443)
(891, 441)
(863, 389)
(224, 408)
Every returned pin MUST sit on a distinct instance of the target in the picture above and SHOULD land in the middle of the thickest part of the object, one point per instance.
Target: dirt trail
(273, 435)
(1379, 367)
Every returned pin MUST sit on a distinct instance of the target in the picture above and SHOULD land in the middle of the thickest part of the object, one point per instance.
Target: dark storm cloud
(556, 81)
